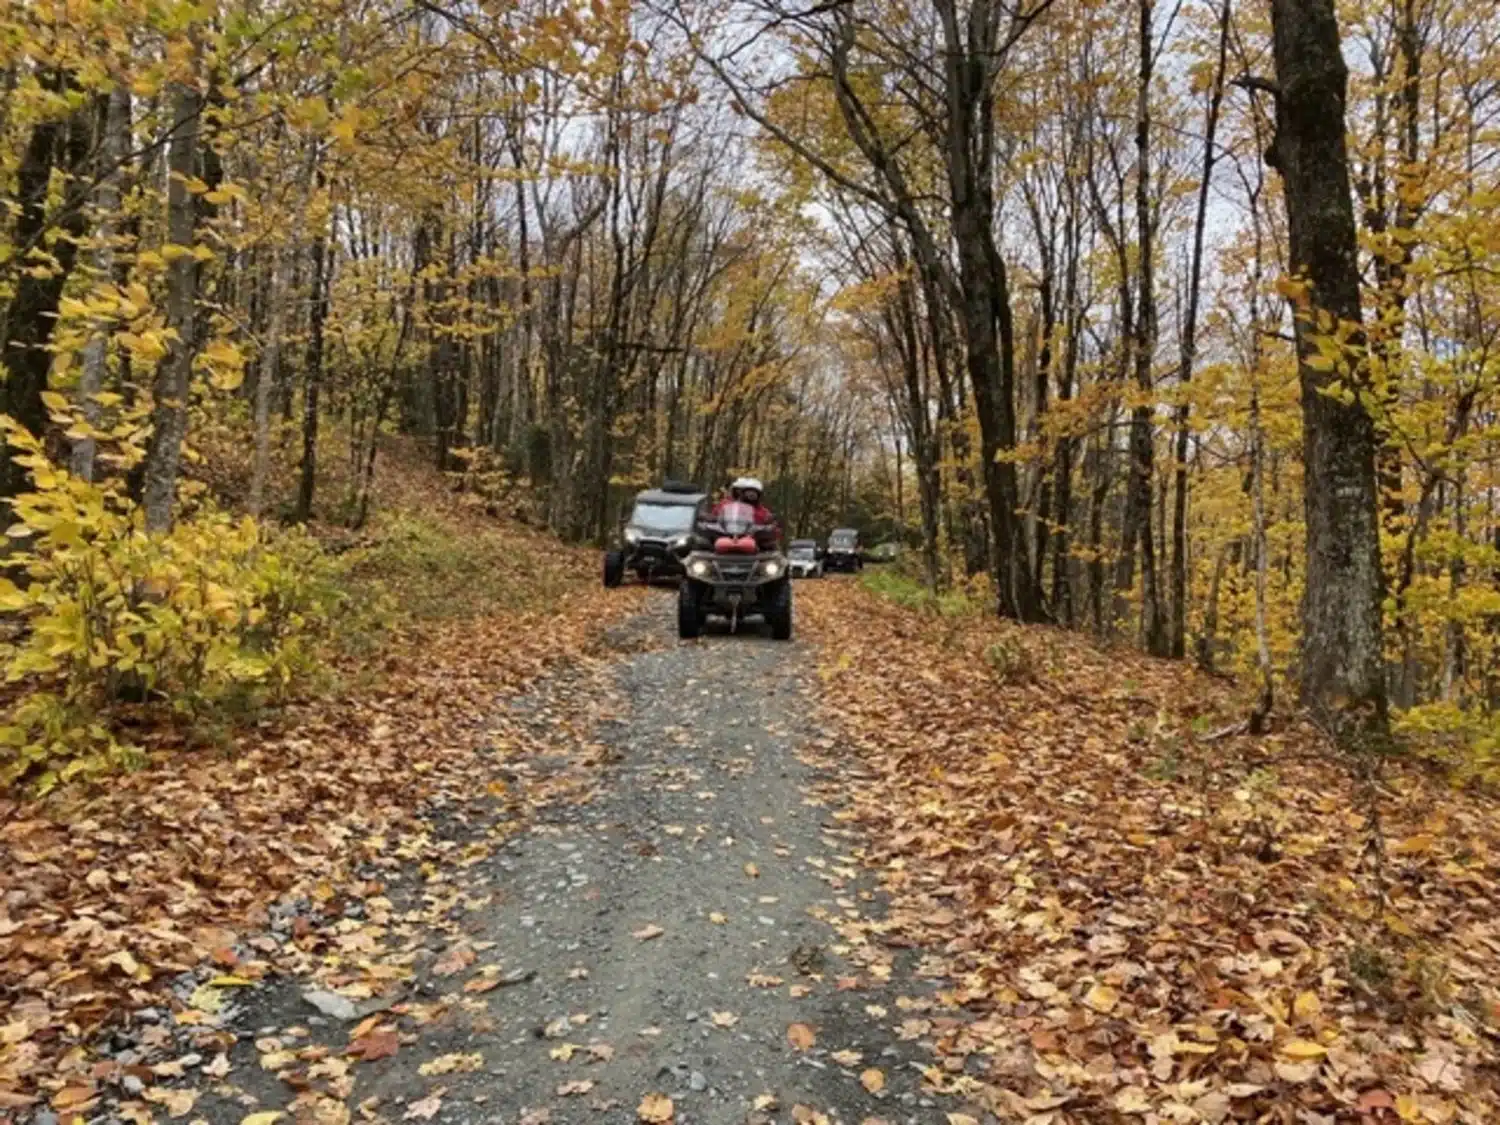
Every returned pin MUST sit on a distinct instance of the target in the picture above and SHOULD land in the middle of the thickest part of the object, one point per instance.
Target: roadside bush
(214, 617)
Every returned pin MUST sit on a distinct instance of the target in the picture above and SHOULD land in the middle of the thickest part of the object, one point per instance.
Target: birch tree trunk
(112, 155)
(174, 374)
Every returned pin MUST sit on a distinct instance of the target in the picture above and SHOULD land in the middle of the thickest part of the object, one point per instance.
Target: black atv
(658, 530)
(734, 570)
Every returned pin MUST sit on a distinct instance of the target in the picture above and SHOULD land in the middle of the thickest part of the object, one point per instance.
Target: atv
(734, 569)
(659, 527)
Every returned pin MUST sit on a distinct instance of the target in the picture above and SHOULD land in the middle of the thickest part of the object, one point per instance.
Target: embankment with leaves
(1136, 908)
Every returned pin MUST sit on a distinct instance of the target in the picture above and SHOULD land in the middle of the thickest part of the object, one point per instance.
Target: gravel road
(660, 932)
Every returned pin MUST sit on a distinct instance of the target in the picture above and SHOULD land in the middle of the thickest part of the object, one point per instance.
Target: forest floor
(554, 866)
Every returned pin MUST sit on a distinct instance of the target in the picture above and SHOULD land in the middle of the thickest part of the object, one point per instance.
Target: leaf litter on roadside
(110, 893)
(1200, 943)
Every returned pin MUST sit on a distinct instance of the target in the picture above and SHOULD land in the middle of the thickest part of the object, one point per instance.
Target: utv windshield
(803, 551)
(843, 539)
(669, 519)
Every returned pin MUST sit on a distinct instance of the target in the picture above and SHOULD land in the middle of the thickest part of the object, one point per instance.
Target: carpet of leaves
(1135, 920)
(107, 894)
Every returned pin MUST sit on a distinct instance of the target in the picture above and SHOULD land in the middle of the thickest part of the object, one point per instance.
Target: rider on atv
(748, 490)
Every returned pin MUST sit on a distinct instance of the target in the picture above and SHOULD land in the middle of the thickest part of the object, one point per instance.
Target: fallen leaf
(646, 933)
(724, 1019)
(572, 1089)
(456, 960)
(763, 1102)
(1307, 1007)
(448, 1064)
(266, 1117)
(752, 871)
(563, 1052)
(218, 1067)
(206, 998)
(1132, 1099)
(1303, 1050)
(377, 1045)
(178, 1103)
(717, 919)
(277, 1060)
(14, 1032)
(873, 1080)
(801, 1036)
(1102, 998)
(847, 1058)
(424, 1110)
(72, 1097)
(657, 1109)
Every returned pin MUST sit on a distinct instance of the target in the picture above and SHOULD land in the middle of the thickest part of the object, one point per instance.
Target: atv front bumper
(726, 584)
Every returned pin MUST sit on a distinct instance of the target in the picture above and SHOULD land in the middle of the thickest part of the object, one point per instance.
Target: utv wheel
(614, 568)
(779, 613)
(689, 616)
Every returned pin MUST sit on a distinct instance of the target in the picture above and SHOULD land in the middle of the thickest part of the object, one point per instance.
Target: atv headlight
(699, 568)
(773, 568)
(632, 536)
(682, 541)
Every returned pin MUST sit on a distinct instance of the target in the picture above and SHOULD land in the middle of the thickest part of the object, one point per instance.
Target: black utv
(656, 534)
(843, 552)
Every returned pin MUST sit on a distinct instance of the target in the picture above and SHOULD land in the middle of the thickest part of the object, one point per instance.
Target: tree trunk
(317, 314)
(31, 315)
(1190, 346)
(1138, 488)
(112, 155)
(1341, 660)
(270, 374)
(174, 375)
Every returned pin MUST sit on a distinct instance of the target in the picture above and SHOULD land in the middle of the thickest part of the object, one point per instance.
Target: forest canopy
(1170, 322)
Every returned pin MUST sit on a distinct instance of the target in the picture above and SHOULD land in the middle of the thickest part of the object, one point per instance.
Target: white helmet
(742, 485)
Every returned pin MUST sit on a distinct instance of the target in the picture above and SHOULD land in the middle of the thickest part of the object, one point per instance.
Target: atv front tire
(614, 568)
(779, 612)
(689, 615)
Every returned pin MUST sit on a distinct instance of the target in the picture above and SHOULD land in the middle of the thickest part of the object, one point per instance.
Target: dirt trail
(663, 933)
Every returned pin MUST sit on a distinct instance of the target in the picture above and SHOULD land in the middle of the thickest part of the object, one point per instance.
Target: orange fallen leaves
(1127, 916)
(655, 1109)
(112, 889)
(800, 1036)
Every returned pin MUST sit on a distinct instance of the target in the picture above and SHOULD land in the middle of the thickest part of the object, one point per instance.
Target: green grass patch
(421, 569)
(906, 590)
